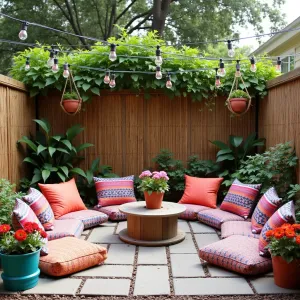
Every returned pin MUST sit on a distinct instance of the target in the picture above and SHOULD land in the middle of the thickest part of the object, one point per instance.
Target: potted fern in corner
(238, 101)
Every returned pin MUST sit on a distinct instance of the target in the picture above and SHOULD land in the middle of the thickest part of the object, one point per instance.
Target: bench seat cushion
(113, 212)
(216, 217)
(69, 255)
(191, 211)
(237, 253)
(89, 218)
(237, 228)
(66, 228)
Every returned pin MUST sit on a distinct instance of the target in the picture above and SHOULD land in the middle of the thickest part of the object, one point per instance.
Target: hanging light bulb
(66, 72)
(27, 64)
(278, 65)
(253, 65)
(23, 33)
(218, 81)
(112, 55)
(55, 67)
(158, 59)
(221, 70)
(112, 82)
(230, 49)
(169, 82)
(50, 61)
(158, 74)
(238, 69)
(106, 79)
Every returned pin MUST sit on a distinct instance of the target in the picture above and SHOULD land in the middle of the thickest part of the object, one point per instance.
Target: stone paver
(152, 280)
(121, 254)
(184, 226)
(266, 285)
(186, 246)
(205, 239)
(186, 265)
(152, 256)
(108, 271)
(219, 272)
(211, 286)
(47, 286)
(109, 224)
(122, 225)
(104, 235)
(108, 287)
(198, 227)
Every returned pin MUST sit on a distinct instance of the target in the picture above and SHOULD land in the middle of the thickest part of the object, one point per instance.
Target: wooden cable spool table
(152, 227)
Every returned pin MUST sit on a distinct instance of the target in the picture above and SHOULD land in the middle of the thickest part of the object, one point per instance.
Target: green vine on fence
(200, 84)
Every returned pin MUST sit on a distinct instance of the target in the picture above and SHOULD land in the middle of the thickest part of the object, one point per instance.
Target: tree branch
(147, 13)
(98, 16)
(112, 17)
(139, 24)
(124, 11)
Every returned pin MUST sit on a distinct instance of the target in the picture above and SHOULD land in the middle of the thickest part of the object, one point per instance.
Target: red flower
(279, 233)
(296, 226)
(270, 233)
(43, 234)
(290, 233)
(4, 228)
(298, 239)
(28, 227)
(35, 226)
(20, 235)
(286, 226)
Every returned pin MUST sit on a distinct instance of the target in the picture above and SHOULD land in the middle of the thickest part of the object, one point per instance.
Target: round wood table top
(139, 209)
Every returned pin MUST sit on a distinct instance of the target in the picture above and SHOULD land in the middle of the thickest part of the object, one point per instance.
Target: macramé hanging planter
(71, 101)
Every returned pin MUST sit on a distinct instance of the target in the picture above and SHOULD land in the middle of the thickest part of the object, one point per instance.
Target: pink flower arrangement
(154, 182)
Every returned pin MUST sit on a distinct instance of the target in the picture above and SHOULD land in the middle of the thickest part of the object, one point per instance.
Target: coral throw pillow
(114, 191)
(63, 197)
(265, 208)
(240, 198)
(201, 191)
(41, 207)
(285, 214)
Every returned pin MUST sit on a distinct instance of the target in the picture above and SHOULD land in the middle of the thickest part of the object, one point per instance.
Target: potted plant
(70, 102)
(238, 101)
(154, 185)
(20, 254)
(285, 250)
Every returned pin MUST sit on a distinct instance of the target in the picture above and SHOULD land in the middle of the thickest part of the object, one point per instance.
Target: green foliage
(7, 200)
(275, 167)
(239, 94)
(70, 95)
(200, 84)
(294, 194)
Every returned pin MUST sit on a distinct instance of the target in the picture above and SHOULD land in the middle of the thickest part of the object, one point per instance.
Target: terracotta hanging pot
(286, 275)
(238, 105)
(71, 105)
(154, 201)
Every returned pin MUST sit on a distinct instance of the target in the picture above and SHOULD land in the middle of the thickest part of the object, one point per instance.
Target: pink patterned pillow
(41, 207)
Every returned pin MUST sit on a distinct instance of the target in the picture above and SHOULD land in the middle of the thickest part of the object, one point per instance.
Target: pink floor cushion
(64, 228)
(113, 212)
(191, 211)
(216, 217)
(237, 228)
(89, 218)
(237, 253)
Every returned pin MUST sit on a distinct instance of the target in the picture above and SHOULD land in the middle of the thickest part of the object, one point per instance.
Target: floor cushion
(241, 198)
(201, 191)
(237, 228)
(64, 228)
(237, 253)
(191, 211)
(63, 197)
(69, 255)
(113, 212)
(89, 218)
(216, 217)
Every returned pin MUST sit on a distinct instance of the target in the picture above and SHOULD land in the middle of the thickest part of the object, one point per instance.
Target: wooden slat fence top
(12, 83)
(283, 79)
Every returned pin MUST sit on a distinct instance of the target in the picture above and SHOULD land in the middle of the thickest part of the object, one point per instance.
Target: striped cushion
(285, 214)
(265, 208)
(113, 212)
(237, 253)
(216, 217)
(240, 198)
(64, 228)
(70, 255)
(89, 218)
(114, 191)
(237, 228)
(191, 211)
(41, 207)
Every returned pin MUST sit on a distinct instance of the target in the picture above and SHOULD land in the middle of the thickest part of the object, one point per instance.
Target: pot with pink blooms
(154, 185)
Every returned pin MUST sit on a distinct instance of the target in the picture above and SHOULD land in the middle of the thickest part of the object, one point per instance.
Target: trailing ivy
(199, 84)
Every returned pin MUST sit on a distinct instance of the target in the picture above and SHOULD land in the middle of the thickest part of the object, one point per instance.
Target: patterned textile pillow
(285, 214)
(265, 208)
(66, 228)
(191, 211)
(237, 228)
(70, 255)
(113, 212)
(22, 213)
(114, 191)
(240, 198)
(41, 207)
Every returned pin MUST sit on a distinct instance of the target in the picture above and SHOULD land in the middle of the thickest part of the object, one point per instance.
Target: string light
(158, 74)
(169, 82)
(238, 69)
(55, 67)
(112, 82)
(106, 79)
(23, 33)
(158, 59)
(221, 70)
(253, 65)
(50, 61)
(278, 65)
(27, 64)
(66, 72)
(112, 55)
(230, 48)
(218, 81)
